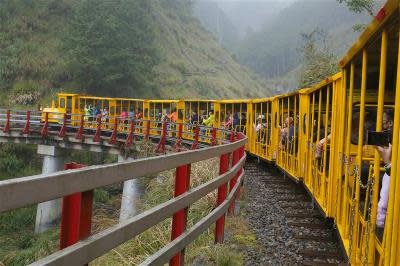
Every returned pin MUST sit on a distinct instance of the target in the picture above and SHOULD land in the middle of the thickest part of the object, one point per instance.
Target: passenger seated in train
(173, 116)
(139, 115)
(287, 132)
(260, 123)
(194, 119)
(104, 115)
(320, 146)
(208, 122)
(132, 115)
(228, 121)
(236, 121)
(242, 123)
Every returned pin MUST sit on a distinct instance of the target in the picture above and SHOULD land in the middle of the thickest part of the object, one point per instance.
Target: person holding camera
(386, 155)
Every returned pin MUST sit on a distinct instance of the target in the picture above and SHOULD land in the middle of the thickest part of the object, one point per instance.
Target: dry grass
(160, 189)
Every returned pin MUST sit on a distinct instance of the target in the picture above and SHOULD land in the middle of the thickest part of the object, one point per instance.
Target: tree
(318, 62)
(359, 6)
(110, 46)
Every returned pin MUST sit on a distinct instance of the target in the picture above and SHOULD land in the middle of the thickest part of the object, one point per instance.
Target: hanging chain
(353, 207)
(370, 185)
(314, 169)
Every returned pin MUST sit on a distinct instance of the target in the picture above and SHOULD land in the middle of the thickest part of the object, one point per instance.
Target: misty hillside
(274, 51)
(125, 48)
(251, 15)
(233, 21)
(214, 19)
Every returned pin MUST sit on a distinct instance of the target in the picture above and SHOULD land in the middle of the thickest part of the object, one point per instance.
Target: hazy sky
(255, 1)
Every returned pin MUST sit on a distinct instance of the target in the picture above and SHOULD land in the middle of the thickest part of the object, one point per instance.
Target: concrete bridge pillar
(130, 196)
(49, 213)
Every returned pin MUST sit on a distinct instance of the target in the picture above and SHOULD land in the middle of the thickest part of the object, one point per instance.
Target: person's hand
(386, 153)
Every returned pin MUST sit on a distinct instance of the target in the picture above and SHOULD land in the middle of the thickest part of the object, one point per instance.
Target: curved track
(289, 230)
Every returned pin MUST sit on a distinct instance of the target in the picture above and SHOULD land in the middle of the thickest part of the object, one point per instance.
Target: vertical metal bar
(323, 176)
(79, 134)
(45, 129)
(179, 218)
(348, 143)
(76, 218)
(287, 157)
(222, 191)
(130, 138)
(195, 143)
(294, 140)
(267, 129)
(27, 123)
(97, 135)
(147, 135)
(7, 125)
(214, 137)
(178, 142)
(317, 177)
(282, 124)
(69, 228)
(341, 194)
(161, 144)
(232, 183)
(393, 214)
(114, 134)
(63, 129)
(311, 142)
(379, 119)
(360, 145)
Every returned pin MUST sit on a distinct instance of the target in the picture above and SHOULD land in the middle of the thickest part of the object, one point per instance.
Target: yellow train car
(286, 127)
(370, 80)
(260, 133)
(320, 110)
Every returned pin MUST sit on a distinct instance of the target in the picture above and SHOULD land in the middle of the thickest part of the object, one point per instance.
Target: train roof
(323, 83)
(262, 100)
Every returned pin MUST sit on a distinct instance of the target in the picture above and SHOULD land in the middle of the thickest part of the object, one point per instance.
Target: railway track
(288, 229)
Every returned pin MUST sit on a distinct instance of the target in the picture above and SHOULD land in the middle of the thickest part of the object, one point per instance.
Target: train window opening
(62, 102)
(82, 104)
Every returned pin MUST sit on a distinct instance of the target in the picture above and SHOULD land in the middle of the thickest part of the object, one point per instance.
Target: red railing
(76, 187)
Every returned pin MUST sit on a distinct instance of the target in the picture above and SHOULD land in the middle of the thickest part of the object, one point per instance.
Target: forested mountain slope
(132, 48)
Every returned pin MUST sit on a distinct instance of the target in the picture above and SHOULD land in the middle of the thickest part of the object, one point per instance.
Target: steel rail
(96, 245)
(24, 191)
(178, 244)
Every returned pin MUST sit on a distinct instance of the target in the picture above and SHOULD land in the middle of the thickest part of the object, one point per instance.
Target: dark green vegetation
(19, 245)
(359, 6)
(318, 61)
(133, 48)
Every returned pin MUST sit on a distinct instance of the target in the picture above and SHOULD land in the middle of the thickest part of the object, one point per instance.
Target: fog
(265, 35)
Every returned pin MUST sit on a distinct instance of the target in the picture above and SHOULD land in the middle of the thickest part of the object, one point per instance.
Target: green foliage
(101, 195)
(110, 46)
(18, 160)
(318, 61)
(359, 6)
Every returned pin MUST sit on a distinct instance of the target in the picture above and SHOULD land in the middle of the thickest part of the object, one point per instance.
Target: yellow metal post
(323, 177)
(348, 142)
(392, 219)
(381, 94)
(360, 146)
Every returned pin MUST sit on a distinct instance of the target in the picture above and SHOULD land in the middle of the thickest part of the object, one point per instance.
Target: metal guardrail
(21, 192)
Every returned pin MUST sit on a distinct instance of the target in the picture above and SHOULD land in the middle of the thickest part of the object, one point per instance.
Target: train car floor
(287, 227)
